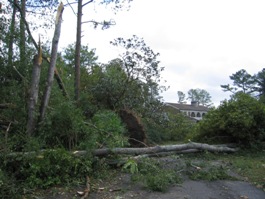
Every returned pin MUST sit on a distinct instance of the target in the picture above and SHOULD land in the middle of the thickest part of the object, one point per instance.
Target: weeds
(211, 174)
(249, 165)
(153, 176)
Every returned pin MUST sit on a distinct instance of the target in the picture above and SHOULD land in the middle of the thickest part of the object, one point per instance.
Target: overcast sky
(201, 42)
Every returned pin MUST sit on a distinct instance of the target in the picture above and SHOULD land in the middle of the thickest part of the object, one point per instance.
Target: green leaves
(108, 129)
(246, 83)
(140, 62)
(131, 165)
(52, 167)
(240, 120)
(200, 95)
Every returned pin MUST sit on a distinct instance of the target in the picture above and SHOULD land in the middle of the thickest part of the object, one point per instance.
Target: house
(194, 111)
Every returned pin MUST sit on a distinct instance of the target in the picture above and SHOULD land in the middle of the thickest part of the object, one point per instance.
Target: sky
(201, 43)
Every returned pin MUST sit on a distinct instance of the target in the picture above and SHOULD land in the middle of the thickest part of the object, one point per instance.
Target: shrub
(55, 167)
(63, 127)
(8, 189)
(240, 120)
(106, 129)
(154, 176)
(177, 127)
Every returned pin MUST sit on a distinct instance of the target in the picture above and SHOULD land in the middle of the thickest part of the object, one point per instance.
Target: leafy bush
(154, 130)
(49, 168)
(154, 176)
(8, 189)
(240, 120)
(213, 173)
(63, 127)
(107, 129)
(177, 127)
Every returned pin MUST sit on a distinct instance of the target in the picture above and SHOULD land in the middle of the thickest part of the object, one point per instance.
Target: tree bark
(159, 149)
(11, 36)
(34, 91)
(190, 147)
(50, 78)
(57, 76)
(77, 50)
(22, 41)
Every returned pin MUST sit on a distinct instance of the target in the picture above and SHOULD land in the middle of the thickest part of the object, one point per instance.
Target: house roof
(187, 107)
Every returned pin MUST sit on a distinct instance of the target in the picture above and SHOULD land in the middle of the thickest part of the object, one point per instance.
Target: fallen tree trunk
(190, 147)
(159, 149)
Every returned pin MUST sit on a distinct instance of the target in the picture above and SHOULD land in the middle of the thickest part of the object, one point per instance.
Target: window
(192, 114)
(198, 114)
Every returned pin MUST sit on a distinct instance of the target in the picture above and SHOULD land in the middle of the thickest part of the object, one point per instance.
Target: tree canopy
(200, 95)
(242, 81)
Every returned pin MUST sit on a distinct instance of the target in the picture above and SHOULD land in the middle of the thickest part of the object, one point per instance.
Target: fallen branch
(86, 192)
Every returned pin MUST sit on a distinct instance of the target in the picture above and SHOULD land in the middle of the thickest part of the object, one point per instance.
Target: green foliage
(107, 129)
(200, 95)
(154, 176)
(213, 173)
(131, 165)
(8, 188)
(168, 126)
(88, 57)
(154, 130)
(242, 82)
(250, 164)
(240, 120)
(101, 168)
(177, 127)
(55, 167)
(246, 83)
(181, 97)
(64, 126)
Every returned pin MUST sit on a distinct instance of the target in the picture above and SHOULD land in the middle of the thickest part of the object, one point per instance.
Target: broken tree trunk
(56, 74)
(55, 43)
(34, 91)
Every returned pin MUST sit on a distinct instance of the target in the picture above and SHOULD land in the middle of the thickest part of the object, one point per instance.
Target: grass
(158, 175)
(205, 166)
(250, 165)
(153, 176)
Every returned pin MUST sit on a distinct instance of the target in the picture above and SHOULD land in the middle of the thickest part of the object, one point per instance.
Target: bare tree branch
(25, 22)
(70, 4)
(87, 3)
(105, 24)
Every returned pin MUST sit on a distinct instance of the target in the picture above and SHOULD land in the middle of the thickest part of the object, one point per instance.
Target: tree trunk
(160, 149)
(50, 78)
(190, 147)
(11, 36)
(57, 76)
(22, 41)
(77, 50)
(34, 91)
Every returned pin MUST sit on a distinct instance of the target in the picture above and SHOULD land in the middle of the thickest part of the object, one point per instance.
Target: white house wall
(190, 113)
